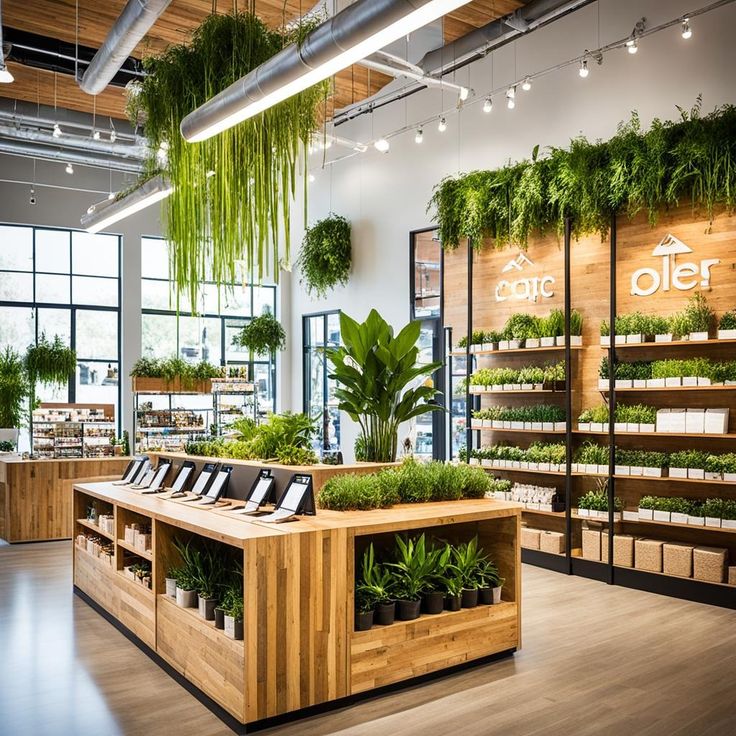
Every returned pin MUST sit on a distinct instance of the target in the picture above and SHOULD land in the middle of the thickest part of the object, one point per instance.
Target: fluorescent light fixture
(5, 76)
(107, 212)
(382, 145)
(234, 104)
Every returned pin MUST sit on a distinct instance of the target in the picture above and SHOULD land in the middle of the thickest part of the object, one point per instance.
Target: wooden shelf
(561, 392)
(525, 470)
(138, 586)
(680, 526)
(96, 529)
(134, 550)
(199, 622)
(676, 577)
(515, 351)
(671, 388)
(673, 344)
(684, 435)
(522, 431)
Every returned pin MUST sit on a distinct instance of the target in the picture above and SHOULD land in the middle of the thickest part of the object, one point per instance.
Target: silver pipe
(346, 29)
(16, 119)
(131, 26)
(18, 148)
(119, 150)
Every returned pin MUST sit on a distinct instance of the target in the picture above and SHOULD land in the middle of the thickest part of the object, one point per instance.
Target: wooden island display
(35, 494)
(299, 648)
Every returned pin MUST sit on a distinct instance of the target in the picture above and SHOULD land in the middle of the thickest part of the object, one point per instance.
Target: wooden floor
(596, 660)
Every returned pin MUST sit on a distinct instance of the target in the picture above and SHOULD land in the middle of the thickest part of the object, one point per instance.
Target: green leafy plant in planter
(727, 320)
(373, 593)
(698, 313)
(236, 215)
(326, 255)
(376, 372)
(263, 335)
(467, 559)
(14, 390)
(414, 565)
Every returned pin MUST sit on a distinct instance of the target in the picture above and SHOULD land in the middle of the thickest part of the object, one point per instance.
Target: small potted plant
(727, 326)
(170, 580)
(433, 597)
(712, 512)
(488, 578)
(466, 558)
(728, 514)
(700, 317)
(646, 508)
(375, 586)
(661, 328)
(696, 514)
(365, 606)
(729, 467)
(413, 568)
(234, 617)
(453, 586)
(186, 589)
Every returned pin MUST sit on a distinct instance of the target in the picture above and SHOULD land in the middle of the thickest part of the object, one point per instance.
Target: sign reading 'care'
(524, 288)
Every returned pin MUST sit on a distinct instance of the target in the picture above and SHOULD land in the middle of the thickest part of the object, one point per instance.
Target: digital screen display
(203, 479)
(182, 478)
(218, 483)
(295, 493)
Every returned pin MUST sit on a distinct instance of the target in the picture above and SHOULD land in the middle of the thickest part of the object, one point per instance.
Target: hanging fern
(263, 335)
(635, 171)
(326, 255)
(50, 363)
(232, 193)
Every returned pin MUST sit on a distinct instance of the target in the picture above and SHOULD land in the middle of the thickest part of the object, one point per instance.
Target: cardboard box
(530, 538)
(623, 549)
(552, 542)
(732, 575)
(716, 421)
(592, 545)
(695, 421)
(648, 555)
(677, 559)
(709, 563)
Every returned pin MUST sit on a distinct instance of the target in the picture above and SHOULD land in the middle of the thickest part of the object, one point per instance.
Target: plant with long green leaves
(14, 389)
(376, 581)
(415, 564)
(263, 335)
(326, 255)
(375, 371)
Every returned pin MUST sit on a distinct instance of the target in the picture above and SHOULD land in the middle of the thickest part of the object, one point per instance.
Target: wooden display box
(623, 549)
(552, 542)
(648, 555)
(530, 538)
(709, 563)
(592, 545)
(174, 386)
(677, 559)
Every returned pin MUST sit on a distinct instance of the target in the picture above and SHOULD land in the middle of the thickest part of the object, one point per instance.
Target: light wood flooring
(596, 660)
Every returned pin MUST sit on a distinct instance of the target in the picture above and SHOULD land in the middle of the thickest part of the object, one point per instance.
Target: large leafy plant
(232, 193)
(14, 389)
(263, 335)
(635, 171)
(377, 373)
(326, 255)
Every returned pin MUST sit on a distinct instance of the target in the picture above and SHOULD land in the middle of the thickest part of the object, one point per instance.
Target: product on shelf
(539, 498)
(139, 536)
(66, 431)
(96, 546)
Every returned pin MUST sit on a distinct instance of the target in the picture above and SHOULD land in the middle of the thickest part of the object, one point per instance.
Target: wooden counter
(35, 495)
(300, 648)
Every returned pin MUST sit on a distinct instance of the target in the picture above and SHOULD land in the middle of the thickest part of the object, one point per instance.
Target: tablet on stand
(186, 471)
(217, 487)
(203, 482)
(143, 468)
(298, 498)
(130, 472)
(259, 494)
(157, 482)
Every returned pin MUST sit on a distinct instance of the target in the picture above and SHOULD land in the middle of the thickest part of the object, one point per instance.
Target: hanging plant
(50, 363)
(635, 171)
(232, 193)
(263, 335)
(326, 255)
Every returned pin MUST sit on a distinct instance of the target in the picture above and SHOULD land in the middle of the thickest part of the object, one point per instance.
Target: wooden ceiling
(56, 18)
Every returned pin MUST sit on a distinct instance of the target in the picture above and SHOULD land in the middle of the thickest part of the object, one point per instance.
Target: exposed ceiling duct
(349, 36)
(21, 148)
(126, 33)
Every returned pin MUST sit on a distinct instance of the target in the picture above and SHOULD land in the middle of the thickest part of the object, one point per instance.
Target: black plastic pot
(452, 602)
(385, 614)
(408, 610)
(469, 598)
(433, 602)
(219, 618)
(363, 620)
(485, 596)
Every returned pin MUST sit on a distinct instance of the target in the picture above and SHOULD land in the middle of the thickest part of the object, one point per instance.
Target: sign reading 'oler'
(523, 288)
(671, 274)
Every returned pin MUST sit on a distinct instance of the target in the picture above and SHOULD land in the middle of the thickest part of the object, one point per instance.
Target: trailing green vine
(693, 159)
(326, 255)
(263, 335)
(232, 193)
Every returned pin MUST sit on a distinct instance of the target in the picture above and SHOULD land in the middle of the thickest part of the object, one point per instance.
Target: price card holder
(183, 477)
(157, 482)
(297, 499)
(203, 482)
(218, 486)
(130, 472)
(260, 493)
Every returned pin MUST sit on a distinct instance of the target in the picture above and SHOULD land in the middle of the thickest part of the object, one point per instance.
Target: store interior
(367, 366)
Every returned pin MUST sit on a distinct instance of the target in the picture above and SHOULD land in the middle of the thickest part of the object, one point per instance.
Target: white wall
(385, 195)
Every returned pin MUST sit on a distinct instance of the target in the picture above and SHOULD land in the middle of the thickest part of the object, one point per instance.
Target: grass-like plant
(326, 255)
(232, 193)
(14, 389)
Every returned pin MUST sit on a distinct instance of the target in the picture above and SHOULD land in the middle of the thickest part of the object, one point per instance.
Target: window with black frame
(207, 335)
(67, 283)
(321, 331)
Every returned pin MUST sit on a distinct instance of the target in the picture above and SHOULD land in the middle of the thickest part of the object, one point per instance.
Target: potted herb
(728, 514)
(696, 514)
(554, 327)
(186, 589)
(729, 467)
(646, 508)
(518, 328)
(208, 578)
(727, 326)
(170, 580)
(712, 512)
(661, 328)
(413, 568)
(679, 509)
(700, 317)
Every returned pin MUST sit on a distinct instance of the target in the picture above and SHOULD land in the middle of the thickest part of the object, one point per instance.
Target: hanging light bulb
(419, 137)
(113, 136)
(57, 131)
(584, 71)
(69, 168)
(382, 145)
(487, 105)
(632, 46)
(111, 195)
(311, 178)
(511, 98)
(96, 135)
(90, 209)
(526, 85)
(442, 127)
(686, 30)
(464, 93)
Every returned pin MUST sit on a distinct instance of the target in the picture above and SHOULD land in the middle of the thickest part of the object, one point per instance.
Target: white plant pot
(591, 469)
(576, 340)
(678, 473)
(630, 515)
(696, 473)
(698, 336)
(496, 592)
(233, 629)
(517, 425)
(620, 339)
(516, 464)
(548, 426)
(596, 426)
(603, 384)
(689, 380)
(661, 516)
(726, 335)
(652, 472)
(634, 339)
(503, 344)
(640, 382)
(673, 381)
(533, 466)
(583, 426)
(506, 424)
(632, 427)
(486, 463)
(729, 477)
(547, 342)
(646, 514)
(709, 475)
(186, 598)
(171, 587)
(636, 470)
(695, 520)
(487, 347)
(677, 518)
(621, 470)
(497, 423)
(474, 461)
(545, 467)
(537, 426)
(560, 341)
(646, 428)
(655, 382)
(624, 383)
(622, 427)
(713, 522)
(514, 387)
(527, 387)
(514, 344)
(584, 512)
(606, 426)
(606, 340)
(666, 337)
(702, 381)
(560, 426)
(524, 464)
(532, 342)
(728, 523)
(497, 387)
